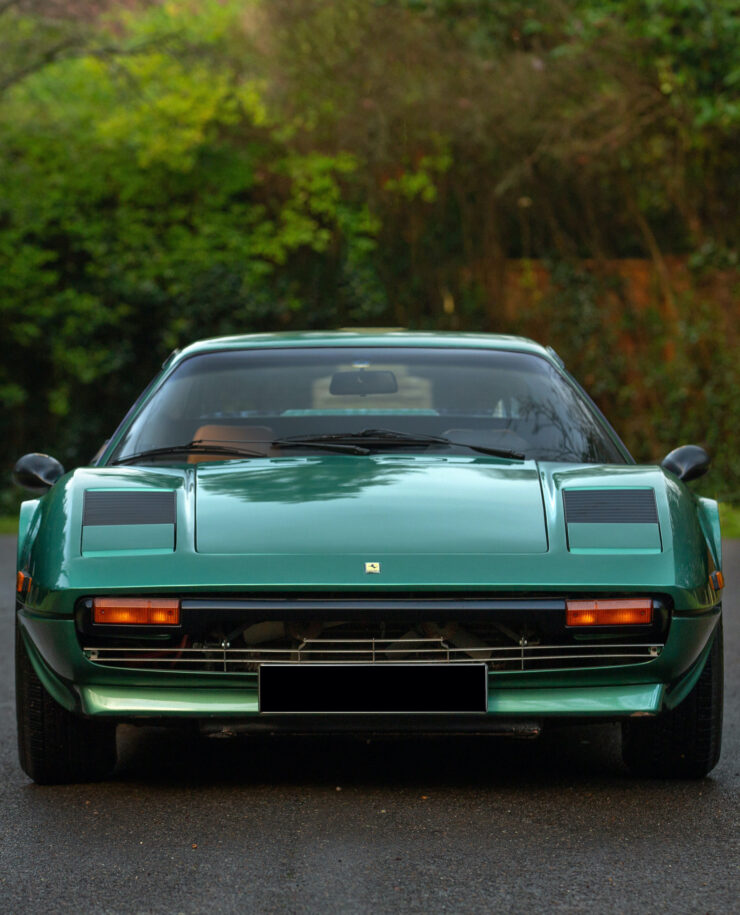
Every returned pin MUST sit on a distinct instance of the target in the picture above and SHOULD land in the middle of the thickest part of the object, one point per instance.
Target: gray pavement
(289, 825)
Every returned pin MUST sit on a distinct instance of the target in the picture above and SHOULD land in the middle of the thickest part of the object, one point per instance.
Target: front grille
(522, 657)
(238, 635)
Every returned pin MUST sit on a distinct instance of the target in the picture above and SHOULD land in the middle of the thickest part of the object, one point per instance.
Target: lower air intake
(522, 657)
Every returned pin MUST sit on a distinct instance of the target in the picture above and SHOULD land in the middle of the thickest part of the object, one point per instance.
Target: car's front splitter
(605, 701)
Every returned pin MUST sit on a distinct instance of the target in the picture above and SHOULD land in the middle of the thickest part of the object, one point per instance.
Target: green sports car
(367, 532)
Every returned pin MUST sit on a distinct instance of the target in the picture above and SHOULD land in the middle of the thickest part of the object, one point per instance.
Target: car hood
(312, 522)
(332, 504)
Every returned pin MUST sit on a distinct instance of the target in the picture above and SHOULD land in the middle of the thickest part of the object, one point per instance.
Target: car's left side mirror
(37, 472)
(688, 462)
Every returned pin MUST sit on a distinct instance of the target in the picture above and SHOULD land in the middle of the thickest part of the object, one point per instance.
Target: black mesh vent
(128, 508)
(610, 506)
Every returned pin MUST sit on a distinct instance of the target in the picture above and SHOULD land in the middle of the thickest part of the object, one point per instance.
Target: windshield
(253, 400)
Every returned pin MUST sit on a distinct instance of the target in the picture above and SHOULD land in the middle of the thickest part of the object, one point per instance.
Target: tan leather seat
(251, 438)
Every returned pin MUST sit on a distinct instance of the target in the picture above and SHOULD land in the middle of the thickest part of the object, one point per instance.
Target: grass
(8, 524)
(729, 516)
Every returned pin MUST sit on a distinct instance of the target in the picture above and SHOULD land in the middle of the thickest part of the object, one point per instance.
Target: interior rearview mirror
(363, 382)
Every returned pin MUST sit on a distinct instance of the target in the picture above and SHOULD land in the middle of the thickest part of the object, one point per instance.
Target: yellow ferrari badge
(372, 568)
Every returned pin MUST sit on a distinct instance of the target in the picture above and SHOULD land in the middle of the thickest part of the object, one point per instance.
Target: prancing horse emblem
(372, 568)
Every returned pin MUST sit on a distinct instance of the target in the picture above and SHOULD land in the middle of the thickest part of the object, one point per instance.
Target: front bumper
(608, 693)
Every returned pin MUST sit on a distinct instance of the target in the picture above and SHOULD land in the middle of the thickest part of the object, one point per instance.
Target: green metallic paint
(127, 538)
(58, 690)
(309, 523)
(320, 505)
(28, 522)
(708, 512)
(591, 538)
(680, 690)
(366, 529)
(584, 702)
(169, 702)
(606, 701)
(403, 338)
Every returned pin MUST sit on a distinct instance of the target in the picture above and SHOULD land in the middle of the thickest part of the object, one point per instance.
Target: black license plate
(373, 688)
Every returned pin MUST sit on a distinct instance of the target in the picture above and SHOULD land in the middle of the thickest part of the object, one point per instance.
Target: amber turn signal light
(609, 612)
(136, 611)
(22, 583)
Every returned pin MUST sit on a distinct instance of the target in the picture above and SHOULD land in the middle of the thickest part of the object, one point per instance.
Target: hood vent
(606, 520)
(128, 507)
(140, 521)
(610, 506)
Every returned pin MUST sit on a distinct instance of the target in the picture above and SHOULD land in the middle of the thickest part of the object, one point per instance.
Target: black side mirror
(37, 472)
(688, 462)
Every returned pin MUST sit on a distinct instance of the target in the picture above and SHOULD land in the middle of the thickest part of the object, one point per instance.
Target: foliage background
(566, 170)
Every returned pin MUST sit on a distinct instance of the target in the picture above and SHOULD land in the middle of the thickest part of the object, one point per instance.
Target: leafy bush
(182, 170)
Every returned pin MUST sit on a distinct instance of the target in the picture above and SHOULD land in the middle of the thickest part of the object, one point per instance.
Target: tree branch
(46, 58)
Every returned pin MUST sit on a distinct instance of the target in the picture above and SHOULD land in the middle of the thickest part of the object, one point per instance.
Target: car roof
(370, 337)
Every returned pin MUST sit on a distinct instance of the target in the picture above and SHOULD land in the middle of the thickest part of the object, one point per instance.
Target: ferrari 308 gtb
(367, 532)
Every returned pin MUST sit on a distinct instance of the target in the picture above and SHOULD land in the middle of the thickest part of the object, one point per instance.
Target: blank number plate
(373, 688)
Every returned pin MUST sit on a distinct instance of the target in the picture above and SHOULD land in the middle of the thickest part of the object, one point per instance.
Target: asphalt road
(288, 825)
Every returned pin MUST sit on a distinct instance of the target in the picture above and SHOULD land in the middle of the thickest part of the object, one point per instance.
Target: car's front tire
(55, 746)
(684, 742)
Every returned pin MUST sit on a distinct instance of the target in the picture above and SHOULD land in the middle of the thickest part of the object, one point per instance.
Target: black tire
(55, 746)
(686, 741)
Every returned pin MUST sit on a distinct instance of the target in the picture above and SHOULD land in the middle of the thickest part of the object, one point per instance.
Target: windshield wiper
(386, 436)
(198, 446)
(328, 443)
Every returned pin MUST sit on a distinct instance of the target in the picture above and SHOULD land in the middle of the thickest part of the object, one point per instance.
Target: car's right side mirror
(37, 472)
(688, 462)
